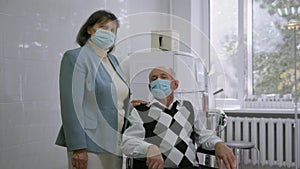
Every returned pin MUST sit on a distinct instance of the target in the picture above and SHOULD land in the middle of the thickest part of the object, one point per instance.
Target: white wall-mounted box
(167, 40)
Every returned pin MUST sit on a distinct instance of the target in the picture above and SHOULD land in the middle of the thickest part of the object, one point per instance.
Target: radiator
(274, 137)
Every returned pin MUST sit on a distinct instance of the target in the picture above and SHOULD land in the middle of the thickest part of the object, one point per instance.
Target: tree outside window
(273, 56)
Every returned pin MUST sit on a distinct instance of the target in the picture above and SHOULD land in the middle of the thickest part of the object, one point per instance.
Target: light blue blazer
(88, 102)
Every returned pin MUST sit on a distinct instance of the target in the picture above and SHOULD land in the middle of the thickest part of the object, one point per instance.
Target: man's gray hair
(168, 70)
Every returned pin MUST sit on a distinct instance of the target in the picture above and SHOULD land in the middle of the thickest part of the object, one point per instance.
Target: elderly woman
(94, 96)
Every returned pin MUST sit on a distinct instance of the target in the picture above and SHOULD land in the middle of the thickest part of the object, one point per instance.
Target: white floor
(244, 167)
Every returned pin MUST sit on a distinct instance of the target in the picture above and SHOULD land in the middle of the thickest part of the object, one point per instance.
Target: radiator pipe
(295, 24)
(296, 102)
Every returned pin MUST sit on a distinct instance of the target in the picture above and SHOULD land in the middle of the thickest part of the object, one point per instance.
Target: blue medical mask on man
(104, 39)
(160, 88)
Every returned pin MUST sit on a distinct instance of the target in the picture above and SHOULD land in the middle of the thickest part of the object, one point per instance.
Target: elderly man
(163, 133)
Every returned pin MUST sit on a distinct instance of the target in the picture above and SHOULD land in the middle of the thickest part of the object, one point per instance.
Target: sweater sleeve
(206, 138)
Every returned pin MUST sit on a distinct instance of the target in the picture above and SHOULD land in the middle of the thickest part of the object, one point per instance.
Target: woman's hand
(138, 102)
(80, 159)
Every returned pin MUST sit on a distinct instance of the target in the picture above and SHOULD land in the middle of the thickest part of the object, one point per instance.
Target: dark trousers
(141, 164)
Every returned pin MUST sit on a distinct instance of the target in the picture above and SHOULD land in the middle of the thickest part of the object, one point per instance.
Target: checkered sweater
(172, 130)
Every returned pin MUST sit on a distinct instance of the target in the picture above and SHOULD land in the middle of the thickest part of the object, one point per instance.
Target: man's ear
(149, 87)
(174, 84)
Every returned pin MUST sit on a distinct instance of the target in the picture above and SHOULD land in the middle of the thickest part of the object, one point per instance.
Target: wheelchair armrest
(204, 151)
(206, 158)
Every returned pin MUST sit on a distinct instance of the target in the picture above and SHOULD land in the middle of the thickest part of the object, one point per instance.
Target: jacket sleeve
(133, 144)
(73, 131)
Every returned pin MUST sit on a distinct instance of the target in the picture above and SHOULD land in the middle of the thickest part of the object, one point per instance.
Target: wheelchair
(206, 158)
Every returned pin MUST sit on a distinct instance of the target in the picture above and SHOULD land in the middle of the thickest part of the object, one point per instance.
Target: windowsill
(256, 106)
(260, 110)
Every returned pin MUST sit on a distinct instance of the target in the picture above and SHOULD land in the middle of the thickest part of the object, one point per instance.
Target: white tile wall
(33, 36)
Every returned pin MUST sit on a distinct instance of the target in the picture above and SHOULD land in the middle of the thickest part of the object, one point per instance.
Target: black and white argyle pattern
(171, 131)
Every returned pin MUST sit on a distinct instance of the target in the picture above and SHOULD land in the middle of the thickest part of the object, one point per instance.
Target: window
(224, 41)
(254, 45)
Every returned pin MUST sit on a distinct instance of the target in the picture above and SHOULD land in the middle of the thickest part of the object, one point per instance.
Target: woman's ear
(90, 30)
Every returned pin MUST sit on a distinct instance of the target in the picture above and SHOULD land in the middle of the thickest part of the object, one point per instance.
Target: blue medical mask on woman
(160, 88)
(104, 39)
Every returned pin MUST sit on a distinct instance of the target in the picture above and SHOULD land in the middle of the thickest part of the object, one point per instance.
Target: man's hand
(80, 159)
(154, 158)
(225, 153)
